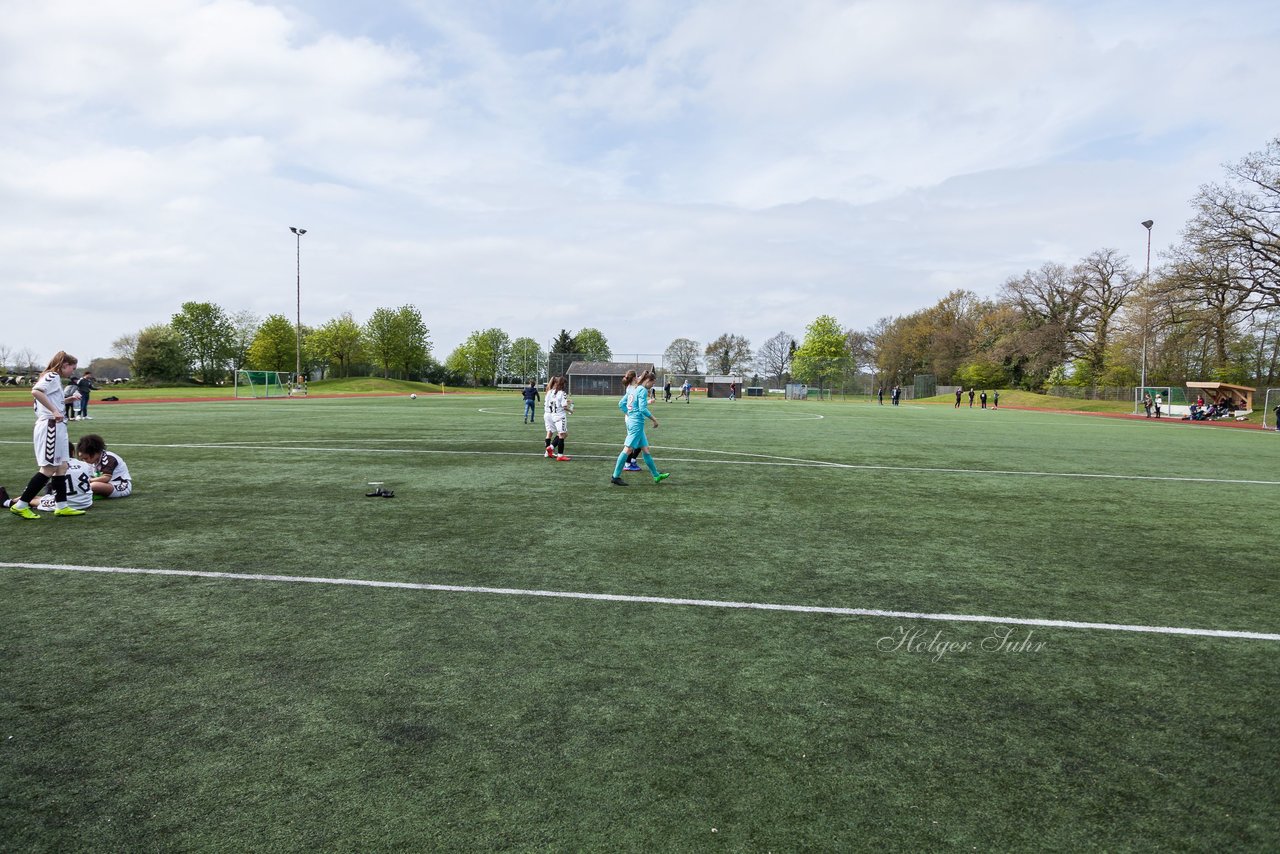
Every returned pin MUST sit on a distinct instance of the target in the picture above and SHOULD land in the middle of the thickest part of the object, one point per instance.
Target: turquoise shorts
(635, 436)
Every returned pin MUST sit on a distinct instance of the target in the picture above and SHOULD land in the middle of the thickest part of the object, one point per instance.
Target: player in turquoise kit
(636, 407)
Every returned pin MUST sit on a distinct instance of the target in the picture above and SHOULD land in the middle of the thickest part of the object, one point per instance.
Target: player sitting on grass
(79, 489)
(112, 480)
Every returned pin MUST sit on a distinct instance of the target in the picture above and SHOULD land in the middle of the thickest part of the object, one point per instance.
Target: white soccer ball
(413, 397)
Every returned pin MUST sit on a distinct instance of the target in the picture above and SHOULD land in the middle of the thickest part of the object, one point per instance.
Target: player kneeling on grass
(112, 480)
(637, 410)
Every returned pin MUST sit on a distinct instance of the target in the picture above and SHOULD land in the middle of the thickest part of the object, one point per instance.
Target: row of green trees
(1209, 310)
(204, 342)
(490, 356)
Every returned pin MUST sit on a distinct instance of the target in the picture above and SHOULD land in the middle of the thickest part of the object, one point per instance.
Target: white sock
(19, 503)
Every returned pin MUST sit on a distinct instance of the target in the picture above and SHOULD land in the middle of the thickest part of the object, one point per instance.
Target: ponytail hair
(628, 378)
(60, 358)
(647, 375)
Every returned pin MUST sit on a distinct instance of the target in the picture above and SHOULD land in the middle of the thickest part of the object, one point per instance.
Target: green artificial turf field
(171, 712)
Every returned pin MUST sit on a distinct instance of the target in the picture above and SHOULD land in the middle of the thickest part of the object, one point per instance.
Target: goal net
(1169, 397)
(262, 383)
(1271, 409)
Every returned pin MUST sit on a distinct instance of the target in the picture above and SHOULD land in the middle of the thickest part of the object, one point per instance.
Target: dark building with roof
(602, 377)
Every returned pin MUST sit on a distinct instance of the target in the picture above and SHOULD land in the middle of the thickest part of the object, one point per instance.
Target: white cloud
(652, 169)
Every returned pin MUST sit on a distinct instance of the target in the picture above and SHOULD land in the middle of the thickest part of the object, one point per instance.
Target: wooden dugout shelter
(1239, 396)
(602, 377)
(719, 386)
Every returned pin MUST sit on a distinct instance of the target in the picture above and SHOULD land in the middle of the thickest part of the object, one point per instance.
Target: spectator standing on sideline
(1277, 411)
(1159, 401)
(959, 391)
(896, 394)
(530, 398)
(71, 400)
(880, 395)
(983, 398)
(995, 404)
(971, 398)
(1146, 403)
(85, 384)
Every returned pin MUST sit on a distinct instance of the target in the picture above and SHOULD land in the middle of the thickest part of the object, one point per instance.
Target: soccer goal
(262, 383)
(1169, 398)
(1271, 409)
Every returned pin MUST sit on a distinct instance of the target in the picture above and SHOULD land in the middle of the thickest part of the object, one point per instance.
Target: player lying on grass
(112, 480)
(637, 411)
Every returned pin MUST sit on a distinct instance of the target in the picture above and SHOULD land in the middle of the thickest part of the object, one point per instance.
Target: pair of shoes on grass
(380, 493)
(657, 478)
(631, 467)
(28, 513)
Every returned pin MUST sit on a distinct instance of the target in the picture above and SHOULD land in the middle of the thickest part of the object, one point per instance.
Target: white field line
(655, 600)
(799, 416)
(782, 462)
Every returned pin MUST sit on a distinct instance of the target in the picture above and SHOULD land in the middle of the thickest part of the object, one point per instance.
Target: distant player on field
(530, 398)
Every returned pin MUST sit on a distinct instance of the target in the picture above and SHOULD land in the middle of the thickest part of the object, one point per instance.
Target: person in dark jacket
(530, 398)
(85, 384)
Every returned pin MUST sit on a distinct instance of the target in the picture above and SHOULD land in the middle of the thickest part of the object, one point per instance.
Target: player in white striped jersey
(79, 486)
(50, 440)
(555, 417)
(113, 480)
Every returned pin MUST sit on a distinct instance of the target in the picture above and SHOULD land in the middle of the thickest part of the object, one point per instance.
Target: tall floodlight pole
(1146, 223)
(298, 232)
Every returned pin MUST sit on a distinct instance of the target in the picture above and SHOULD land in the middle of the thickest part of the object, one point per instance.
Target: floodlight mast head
(298, 231)
(1147, 223)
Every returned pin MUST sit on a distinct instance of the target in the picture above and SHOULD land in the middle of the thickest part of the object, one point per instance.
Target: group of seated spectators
(1200, 411)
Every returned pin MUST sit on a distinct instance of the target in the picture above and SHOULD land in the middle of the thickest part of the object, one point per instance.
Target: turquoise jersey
(639, 408)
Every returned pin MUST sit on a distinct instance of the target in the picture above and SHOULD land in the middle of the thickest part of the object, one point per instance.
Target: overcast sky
(653, 169)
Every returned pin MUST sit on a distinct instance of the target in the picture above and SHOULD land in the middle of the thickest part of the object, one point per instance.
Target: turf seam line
(655, 600)
(774, 461)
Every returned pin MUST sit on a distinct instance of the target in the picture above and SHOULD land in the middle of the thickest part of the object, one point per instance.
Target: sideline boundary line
(655, 600)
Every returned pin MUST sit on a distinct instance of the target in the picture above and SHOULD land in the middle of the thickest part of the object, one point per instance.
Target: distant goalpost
(1269, 405)
(262, 383)
(1169, 396)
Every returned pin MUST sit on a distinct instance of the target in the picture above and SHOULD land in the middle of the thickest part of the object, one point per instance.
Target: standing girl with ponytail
(50, 439)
